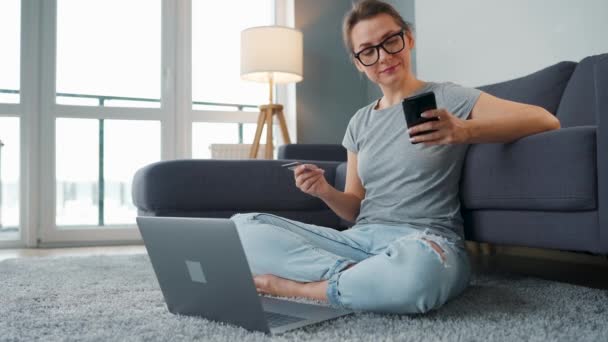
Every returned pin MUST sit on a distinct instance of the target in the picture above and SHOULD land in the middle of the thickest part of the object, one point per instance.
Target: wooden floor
(573, 268)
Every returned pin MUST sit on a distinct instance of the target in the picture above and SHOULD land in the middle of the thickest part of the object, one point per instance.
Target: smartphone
(416, 105)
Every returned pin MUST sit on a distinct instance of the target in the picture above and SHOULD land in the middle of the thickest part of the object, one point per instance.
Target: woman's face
(390, 69)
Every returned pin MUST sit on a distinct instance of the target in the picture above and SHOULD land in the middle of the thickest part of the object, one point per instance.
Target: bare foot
(277, 286)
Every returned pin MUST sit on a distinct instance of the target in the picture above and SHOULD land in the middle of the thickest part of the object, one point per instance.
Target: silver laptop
(202, 271)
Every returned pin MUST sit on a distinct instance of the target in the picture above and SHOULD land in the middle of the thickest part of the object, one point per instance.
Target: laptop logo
(196, 271)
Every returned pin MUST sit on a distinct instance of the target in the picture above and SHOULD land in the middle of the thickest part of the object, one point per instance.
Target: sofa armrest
(553, 170)
(600, 70)
(237, 185)
(329, 152)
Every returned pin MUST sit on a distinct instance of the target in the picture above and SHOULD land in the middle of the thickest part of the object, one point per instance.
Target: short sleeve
(460, 100)
(350, 142)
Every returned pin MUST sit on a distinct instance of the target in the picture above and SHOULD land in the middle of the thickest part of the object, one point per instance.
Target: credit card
(291, 166)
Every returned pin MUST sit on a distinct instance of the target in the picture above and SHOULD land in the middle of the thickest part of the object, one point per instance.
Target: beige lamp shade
(271, 53)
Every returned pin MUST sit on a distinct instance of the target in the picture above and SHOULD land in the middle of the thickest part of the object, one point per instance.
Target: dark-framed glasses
(392, 44)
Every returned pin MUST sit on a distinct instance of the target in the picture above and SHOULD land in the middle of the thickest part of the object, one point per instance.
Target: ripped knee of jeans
(437, 244)
(438, 250)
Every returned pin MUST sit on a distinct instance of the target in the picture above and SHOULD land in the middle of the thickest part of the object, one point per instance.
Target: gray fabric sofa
(548, 190)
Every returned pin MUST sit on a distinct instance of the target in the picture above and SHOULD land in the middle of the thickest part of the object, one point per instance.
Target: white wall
(478, 42)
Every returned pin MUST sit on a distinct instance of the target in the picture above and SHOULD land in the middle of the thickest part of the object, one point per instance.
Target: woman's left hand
(449, 129)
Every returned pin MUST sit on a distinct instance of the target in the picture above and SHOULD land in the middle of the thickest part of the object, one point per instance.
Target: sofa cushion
(329, 152)
(321, 217)
(551, 171)
(241, 185)
(543, 88)
(566, 230)
(578, 105)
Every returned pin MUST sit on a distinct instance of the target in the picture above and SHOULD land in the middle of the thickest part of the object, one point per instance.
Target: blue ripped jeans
(396, 271)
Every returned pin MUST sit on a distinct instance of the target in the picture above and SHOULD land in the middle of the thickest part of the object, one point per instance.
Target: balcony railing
(101, 101)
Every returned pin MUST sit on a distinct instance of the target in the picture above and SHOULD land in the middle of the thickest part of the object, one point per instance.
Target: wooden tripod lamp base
(271, 54)
(266, 118)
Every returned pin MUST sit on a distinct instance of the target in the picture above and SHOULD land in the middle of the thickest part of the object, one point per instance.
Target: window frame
(285, 93)
(38, 113)
(12, 111)
(49, 234)
(26, 110)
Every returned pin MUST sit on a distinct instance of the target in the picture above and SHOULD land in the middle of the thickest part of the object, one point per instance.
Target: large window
(96, 160)
(216, 32)
(216, 83)
(10, 12)
(9, 178)
(106, 114)
(108, 52)
(108, 56)
(91, 91)
(206, 134)
(10, 34)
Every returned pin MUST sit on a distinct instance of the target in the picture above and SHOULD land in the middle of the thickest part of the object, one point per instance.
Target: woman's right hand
(310, 179)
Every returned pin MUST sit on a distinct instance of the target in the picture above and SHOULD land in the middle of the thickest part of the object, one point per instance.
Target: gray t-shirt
(409, 183)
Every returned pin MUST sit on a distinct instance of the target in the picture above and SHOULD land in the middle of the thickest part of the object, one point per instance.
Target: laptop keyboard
(276, 319)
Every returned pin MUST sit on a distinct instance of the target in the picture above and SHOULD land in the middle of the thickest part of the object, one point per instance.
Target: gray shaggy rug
(117, 298)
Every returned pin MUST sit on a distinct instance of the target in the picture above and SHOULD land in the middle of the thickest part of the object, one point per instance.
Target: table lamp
(271, 54)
